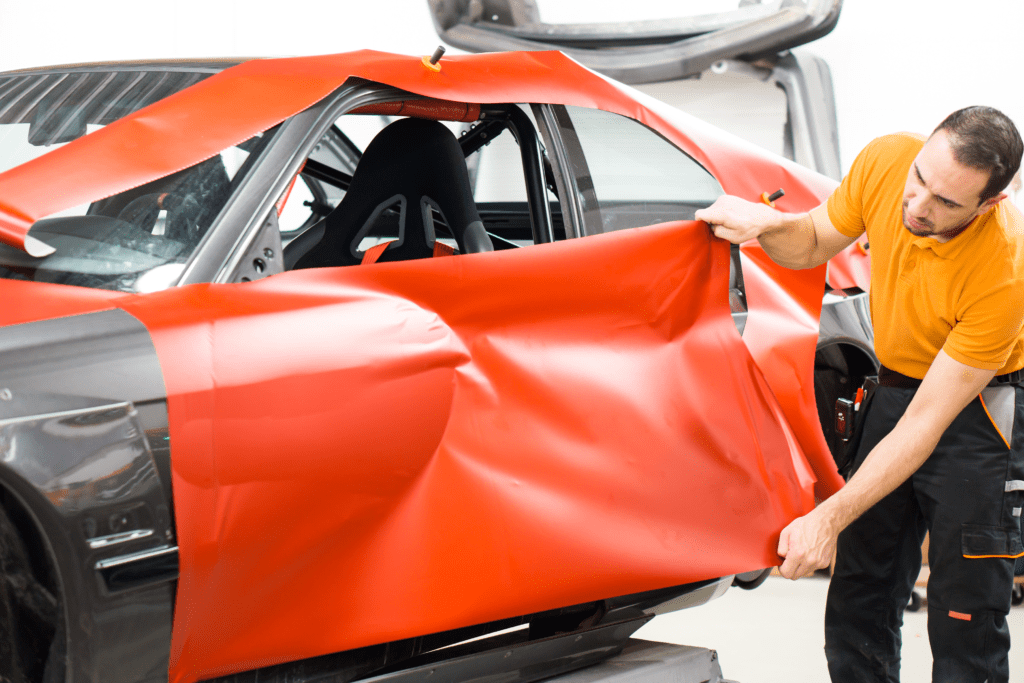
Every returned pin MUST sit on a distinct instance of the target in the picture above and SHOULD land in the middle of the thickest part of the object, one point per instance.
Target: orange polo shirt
(965, 296)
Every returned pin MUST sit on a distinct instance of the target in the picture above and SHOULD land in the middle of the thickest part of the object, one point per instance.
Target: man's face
(941, 195)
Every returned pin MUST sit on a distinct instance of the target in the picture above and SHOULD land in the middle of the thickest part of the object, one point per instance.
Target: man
(947, 304)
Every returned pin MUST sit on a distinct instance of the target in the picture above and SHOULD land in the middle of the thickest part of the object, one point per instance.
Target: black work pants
(968, 495)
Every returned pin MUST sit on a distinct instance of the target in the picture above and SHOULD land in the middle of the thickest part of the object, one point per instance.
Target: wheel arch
(840, 366)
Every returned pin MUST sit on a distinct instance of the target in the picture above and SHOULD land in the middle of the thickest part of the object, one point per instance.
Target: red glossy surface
(371, 453)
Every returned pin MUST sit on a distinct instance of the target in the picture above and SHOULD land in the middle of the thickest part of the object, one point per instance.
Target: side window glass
(499, 189)
(628, 175)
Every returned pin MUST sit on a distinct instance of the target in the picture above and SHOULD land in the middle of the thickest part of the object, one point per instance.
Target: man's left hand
(808, 543)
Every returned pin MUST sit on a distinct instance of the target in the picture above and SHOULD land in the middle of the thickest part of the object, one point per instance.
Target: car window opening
(475, 150)
(627, 175)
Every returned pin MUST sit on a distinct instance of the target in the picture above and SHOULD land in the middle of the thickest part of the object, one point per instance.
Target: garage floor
(774, 634)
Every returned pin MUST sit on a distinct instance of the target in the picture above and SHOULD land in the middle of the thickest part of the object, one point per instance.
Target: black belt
(891, 378)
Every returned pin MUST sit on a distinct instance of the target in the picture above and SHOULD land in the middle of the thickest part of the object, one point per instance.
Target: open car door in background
(733, 67)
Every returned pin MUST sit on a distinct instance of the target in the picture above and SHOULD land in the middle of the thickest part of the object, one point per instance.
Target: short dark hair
(985, 139)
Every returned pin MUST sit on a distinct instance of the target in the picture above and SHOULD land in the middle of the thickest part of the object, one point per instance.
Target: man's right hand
(737, 220)
(793, 240)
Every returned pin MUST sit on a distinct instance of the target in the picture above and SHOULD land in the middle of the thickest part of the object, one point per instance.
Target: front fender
(84, 449)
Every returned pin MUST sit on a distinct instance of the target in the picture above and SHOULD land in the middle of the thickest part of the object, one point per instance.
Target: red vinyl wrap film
(481, 437)
(782, 334)
(24, 302)
(244, 100)
(252, 97)
(241, 101)
(851, 267)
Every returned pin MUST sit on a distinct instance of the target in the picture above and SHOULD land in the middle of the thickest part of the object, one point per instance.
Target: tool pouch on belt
(849, 424)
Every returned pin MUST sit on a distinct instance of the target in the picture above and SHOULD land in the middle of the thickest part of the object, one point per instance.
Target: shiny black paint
(84, 450)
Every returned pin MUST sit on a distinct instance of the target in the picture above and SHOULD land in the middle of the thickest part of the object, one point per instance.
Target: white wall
(905, 65)
(897, 64)
(65, 31)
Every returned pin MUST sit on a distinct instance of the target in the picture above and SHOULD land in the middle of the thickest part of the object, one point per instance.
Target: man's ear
(990, 202)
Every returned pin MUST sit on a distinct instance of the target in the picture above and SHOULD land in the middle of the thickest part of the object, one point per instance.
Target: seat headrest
(410, 169)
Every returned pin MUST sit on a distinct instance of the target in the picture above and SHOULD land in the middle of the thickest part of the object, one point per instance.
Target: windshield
(135, 241)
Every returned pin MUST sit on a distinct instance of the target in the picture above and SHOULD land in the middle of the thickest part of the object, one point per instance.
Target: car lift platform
(644, 661)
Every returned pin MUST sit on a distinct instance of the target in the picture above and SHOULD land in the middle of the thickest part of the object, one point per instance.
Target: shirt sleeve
(989, 327)
(877, 170)
(846, 203)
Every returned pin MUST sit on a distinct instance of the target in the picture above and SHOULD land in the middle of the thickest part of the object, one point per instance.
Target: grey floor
(774, 634)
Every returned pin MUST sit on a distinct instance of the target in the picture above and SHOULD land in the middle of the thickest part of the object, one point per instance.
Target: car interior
(417, 189)
(413, 170)
(416, 192)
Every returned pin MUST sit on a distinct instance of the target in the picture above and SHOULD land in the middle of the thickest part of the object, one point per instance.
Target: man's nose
(917, 205)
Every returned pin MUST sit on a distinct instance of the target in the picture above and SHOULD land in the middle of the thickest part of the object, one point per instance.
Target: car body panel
(164, 129)
(83, 427)
(568, 438)
(252, 97)
(578, 420)
(30, 301)
(640, 51)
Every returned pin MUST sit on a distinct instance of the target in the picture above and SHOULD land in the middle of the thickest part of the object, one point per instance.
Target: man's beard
(917, 232)
(930, 228)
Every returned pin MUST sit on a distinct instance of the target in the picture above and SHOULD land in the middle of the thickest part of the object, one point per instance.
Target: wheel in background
(30, 617)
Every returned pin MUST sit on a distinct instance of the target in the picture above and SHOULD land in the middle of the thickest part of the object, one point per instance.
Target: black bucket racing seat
(411, 169)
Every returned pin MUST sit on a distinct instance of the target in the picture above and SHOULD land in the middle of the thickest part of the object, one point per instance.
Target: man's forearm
(888, 465)
(946, 390)
(809, 542)
(791, 242)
